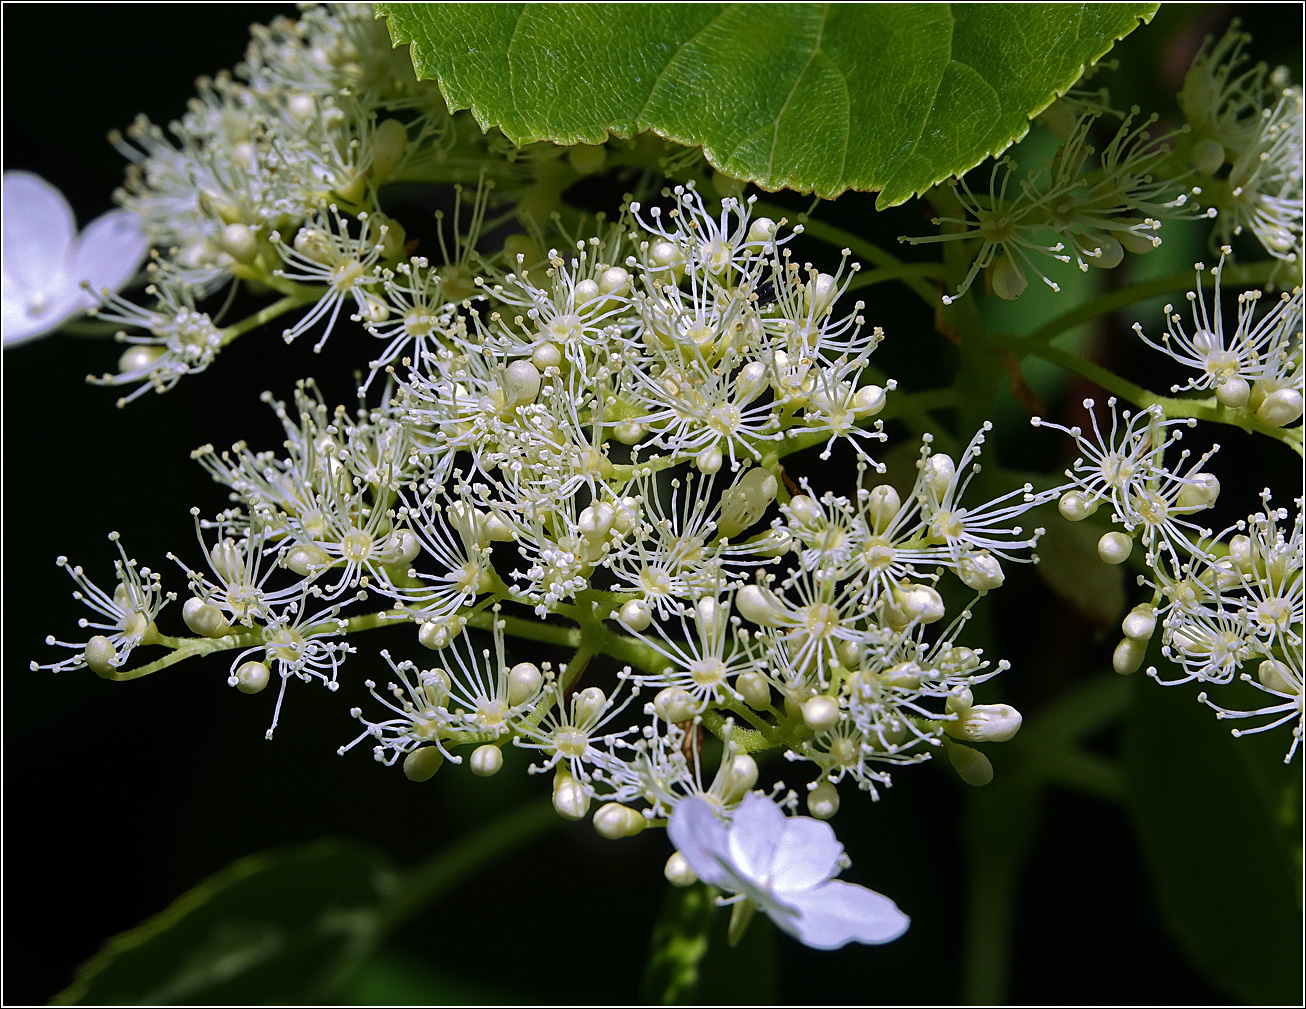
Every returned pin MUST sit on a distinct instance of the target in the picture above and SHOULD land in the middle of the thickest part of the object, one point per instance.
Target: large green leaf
(282, 926)
(814, 97)
(1209, 811)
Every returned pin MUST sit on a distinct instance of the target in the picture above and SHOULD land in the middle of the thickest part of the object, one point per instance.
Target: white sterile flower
(46, 261)
(785, 865)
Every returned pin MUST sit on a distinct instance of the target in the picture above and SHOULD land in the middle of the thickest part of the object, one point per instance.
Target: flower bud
(1140, 622)
(678, 871)
(635, 615)
(1277, 676)
(615, 821)
(915, 603)
(521, 382)
(436, 634)
(588, 705)
(823, 800)
(421, 764)
(239, 242)
(628, 432)
(1200, 493)
(819, 293)
(869, 400)
(708, 461)
(971, 766)
(250, 677)
(740, 777)
(1007, 279)
(101, 656)
(614, 281)
(1114, 548)
(1207, 156)
(546, 355)
(570, 799)
(1128, 655)
(821, 713)
(1280, 408)
(486, 760)
(882, 505)
(1109, 252)
(759, 605)
(388, 145)
(1233, 393)
(959, 701)
(750, 383)
(938, 470)
(985, 723)
(1240, 552)
(204, 618)
(524, 681)
(743, 504)
(754, 689)
(305, 559)
(402, 546)
(674, 705)
(980, 571)
(1076, 506)
(139, 358)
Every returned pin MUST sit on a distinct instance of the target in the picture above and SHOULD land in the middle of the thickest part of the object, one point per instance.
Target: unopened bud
(486, 761)
(678, 871)
(882, 505)
(1277, 676)
(250, 677)
(1233, 393)
(754, 689)
(1076, 506)
(1128, 655)
(524, 680)
(101, 656)
(570, 799)
(747, 501)
(421, 764)
(204, 618)
(741, 776)
(759, 605)
(1140, 622)
(1200, 492)
(980, 571)
(985, 723)
(615, 821)
(823, 800)
(1114, 548)
(971, 766)
(821, 713)
(1280, 408)
(674, 705)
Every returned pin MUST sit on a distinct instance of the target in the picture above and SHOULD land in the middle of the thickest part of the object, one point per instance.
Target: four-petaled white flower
(785, 865)
(46, 261)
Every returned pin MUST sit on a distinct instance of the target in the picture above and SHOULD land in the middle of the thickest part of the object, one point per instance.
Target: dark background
(118, 797)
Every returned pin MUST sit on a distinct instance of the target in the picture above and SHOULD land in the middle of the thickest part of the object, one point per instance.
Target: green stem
(302, 296)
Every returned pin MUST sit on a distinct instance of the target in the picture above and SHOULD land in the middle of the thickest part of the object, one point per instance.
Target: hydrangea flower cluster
(588, 439)
(1226, 603)
(1240, 152)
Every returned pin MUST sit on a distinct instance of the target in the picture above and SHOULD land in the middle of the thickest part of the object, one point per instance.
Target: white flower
(46, 261)
(785, 865)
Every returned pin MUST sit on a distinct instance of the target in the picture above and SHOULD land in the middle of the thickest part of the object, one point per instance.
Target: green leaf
(814, 97)
(282, 926)
(1208, 809)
